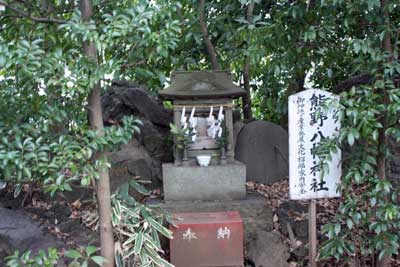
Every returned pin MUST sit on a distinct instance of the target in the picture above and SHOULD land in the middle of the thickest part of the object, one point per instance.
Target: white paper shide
(309, 123)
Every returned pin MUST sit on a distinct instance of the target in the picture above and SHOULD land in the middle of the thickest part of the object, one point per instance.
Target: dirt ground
(73, 220)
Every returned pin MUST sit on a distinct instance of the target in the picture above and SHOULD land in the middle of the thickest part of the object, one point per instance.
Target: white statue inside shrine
(192, 122)
(213, 125)
(183, 119)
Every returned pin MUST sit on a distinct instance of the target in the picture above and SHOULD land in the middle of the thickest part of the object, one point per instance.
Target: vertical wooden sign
(309, 123)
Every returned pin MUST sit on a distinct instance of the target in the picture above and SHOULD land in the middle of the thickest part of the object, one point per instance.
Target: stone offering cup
(203, 160)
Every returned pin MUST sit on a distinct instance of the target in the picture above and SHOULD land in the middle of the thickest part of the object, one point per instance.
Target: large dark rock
(263, 147)
(287, 212)
(6, 249)
(143, 156)
(128, 98)
(19, 232)
(134, 161)
(268, 250)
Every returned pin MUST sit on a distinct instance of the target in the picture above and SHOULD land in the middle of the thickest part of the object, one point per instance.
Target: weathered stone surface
(263, 147)
(300, 228)
(214, 182)
(201, 84)
(255, 212)
(238, 124)
(237, 127)
(268, 250)
(128, 98)
(142, 157)
(19, 232)
(133, 160)
(6, 249)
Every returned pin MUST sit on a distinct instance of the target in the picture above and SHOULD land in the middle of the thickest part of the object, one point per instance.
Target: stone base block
(214, 182)
(257, 215)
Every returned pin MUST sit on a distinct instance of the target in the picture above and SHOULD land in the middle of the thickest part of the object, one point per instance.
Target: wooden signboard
(309, 123)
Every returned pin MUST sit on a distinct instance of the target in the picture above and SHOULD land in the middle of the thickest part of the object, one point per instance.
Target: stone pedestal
(256, 213)
(214, 182)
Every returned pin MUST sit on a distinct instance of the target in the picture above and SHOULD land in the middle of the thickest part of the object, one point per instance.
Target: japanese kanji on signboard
(309, 123)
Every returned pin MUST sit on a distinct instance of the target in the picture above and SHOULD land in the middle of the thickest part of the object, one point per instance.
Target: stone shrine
(202, 104)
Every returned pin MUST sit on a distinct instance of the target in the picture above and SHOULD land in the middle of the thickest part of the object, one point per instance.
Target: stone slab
(268, 250)
(20, 232)
(257, 215)
(263, 147)
(214, 182)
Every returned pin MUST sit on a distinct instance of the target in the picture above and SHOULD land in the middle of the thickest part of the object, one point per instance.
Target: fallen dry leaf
(76, 204)
(75, 214)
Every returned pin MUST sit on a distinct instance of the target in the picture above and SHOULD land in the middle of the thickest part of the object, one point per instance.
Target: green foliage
(368, 221)
(368, 217)
(182, 136)
(50, 259)
(27, 155)
(45, 80)
(84, 256)
(223, 140)
(292, 45)
(137, 228)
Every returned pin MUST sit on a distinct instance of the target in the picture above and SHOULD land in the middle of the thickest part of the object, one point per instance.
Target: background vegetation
(56, 57)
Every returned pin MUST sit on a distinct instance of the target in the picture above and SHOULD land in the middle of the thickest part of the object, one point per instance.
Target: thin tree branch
(104, 2)
(10, 16)
(362, 79)
(37, 19)
(27, 3)
(382, 138)
(247, 112)
(203, 26)
(353, 81)
(136, 64)
(310, 4)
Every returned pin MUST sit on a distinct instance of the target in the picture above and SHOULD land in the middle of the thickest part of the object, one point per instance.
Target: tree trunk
(203, 26)
(247, 113)
(382, 139)
(295, 86)
(96, 123)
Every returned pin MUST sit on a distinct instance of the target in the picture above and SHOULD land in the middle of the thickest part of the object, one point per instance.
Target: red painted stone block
(207, 239)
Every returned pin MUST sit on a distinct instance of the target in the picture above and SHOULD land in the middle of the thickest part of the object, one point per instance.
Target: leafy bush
(137, 228)
(82, 257)
(28, 154)
(50, 259)
(368, 220)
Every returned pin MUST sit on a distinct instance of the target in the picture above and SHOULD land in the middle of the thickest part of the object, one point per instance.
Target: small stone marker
(263, 147)
(309, 123)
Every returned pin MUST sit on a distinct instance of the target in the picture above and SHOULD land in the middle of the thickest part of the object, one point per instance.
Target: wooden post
(312, 232)
(230, 148)
(177, 122)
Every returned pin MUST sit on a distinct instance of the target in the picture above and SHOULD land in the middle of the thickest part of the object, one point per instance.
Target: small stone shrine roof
(205, 84)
